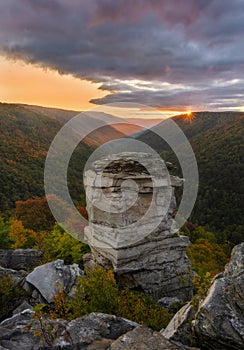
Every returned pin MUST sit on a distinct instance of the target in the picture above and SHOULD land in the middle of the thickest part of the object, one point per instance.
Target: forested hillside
(217, 140)
(25, 138)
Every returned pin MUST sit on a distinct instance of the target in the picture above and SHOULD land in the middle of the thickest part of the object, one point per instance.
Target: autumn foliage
(35, 214)
(97, 291)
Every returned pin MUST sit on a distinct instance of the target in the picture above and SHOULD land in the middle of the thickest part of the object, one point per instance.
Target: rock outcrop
(143, 338)
(219, 321)
(16, 275)
(46, 280)
(20, 259)
(131, 205)
(180, 328)
(95, 331)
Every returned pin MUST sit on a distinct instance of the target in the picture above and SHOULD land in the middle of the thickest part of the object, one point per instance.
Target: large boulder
(50, 278)
(92, 332)
(180, 327)
(219, 321)
(13, 335)
(20, 259)
(143, 338)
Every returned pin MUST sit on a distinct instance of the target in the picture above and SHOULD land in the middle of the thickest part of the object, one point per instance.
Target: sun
(189, 116)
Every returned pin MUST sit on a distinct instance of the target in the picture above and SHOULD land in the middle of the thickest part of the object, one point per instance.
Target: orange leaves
(35, 214)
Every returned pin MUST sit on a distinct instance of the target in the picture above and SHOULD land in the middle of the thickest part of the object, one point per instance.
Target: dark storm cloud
(192, 43)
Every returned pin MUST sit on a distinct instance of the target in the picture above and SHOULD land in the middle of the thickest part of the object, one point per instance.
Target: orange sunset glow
(30, 84)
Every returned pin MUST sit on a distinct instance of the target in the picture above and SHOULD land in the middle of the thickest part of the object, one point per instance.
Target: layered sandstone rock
(20, 259)
(219, 321)
(131, 205)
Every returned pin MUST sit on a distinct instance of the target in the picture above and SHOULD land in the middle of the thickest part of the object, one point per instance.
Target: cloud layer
(169, 54)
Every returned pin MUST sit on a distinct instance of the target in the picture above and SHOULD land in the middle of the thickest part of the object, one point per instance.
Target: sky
(176, 55)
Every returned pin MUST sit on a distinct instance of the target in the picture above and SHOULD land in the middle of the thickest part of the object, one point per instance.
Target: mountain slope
(26, 134)
(123, 129)
(25, 139)
(217, 141)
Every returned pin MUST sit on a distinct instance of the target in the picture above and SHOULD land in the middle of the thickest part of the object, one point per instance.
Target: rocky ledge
(219, 321)
(95, 331)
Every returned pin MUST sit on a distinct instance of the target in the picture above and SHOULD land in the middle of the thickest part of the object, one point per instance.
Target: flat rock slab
(52, 277)
(143, 338)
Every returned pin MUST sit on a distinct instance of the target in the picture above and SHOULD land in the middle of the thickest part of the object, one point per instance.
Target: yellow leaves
(24, 237)
(60, 245)
(37, 333)
(202, 285)
(18, 233)
(207, 256)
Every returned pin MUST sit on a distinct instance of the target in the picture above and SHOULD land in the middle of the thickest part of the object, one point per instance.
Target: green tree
(5, 241)
(60, 245)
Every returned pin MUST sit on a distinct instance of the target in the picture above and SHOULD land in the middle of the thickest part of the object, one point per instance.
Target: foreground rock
(50, 278)
(143, 338)
(13, 335)
(20, 259)
(219, 322)
(92, 332)
(16, 276)
(180, 327)
(95, 331)
(131, 204)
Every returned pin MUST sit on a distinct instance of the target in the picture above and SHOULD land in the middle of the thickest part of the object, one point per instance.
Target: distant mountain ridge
(217, 141)
(123, 128)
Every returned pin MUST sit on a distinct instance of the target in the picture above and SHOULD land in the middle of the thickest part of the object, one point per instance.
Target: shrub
(98, 292)
(10, 295)
(60, 245)
(202, 285)
(24, 237)
(206, 257)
